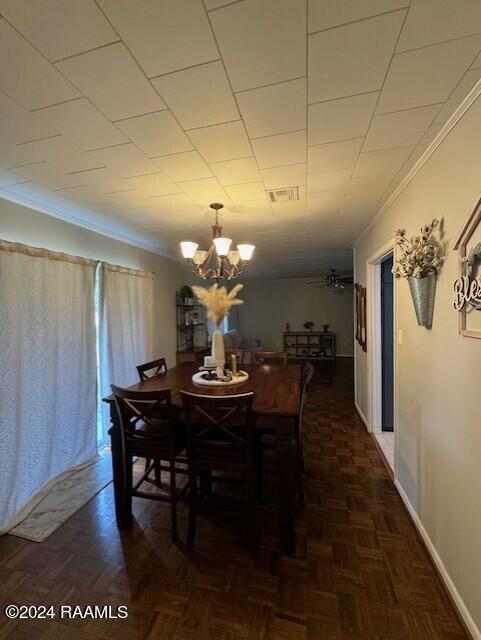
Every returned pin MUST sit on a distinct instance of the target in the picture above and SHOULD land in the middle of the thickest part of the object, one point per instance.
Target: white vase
(218, 351)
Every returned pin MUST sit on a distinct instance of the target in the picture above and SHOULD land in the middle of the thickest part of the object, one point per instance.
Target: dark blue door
(387, 329)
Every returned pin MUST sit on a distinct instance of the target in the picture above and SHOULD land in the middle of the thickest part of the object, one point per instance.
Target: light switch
(400, 336)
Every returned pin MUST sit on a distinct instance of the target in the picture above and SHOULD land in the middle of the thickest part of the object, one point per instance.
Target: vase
(423, 291)
(218, 351)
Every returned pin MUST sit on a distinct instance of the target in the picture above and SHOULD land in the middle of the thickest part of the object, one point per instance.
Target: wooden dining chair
(219, 439)
(306, 377)
(239, 354)
(268, 357)
(145, 435)
(151, 369)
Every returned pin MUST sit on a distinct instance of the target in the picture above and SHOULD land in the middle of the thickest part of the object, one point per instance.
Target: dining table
(276, 409)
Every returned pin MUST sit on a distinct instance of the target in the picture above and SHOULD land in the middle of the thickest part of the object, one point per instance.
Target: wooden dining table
(276, 408)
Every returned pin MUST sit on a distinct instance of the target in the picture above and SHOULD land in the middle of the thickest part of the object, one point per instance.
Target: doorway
(381, 352)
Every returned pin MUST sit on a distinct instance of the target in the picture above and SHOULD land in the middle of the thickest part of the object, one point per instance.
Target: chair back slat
(152, 369)
(217, 427)
(268, 357)
(145, 417)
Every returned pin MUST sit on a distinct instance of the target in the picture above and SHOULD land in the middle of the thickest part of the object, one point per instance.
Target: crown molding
(135, 241)
(450, 123)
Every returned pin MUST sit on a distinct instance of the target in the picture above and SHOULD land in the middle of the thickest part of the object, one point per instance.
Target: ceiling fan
(334, 280)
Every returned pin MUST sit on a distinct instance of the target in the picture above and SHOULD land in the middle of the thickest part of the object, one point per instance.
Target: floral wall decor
(419, 260)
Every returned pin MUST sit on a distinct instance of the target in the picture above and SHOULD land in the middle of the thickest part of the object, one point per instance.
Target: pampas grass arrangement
(218, 301)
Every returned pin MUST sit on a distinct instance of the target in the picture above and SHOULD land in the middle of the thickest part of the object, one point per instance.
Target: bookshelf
(310, 345)
(192, 337)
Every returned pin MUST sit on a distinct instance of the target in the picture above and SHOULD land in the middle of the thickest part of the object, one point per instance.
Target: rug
(65, 499)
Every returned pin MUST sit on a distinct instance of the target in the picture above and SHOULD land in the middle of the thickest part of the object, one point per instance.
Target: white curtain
(47, 372)
(126, 328)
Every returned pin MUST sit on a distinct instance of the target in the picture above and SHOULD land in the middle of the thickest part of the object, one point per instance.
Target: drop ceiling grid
(122, 131)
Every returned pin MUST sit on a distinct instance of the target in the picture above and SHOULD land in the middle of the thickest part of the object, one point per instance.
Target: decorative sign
(467, 287)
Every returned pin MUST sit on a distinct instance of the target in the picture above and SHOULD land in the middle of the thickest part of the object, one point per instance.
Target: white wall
(438, 372)
(269, 304)
(20, 224)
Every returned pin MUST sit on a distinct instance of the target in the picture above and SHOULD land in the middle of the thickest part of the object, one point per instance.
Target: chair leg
(173, 501)
(250, 519)
(192, 509)
(147, 463)
(126, 500)
(157, 473)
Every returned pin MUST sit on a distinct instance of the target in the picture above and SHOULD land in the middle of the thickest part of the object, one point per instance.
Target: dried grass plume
(217, 300)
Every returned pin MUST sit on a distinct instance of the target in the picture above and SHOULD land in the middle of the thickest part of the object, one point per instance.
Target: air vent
(284, 195)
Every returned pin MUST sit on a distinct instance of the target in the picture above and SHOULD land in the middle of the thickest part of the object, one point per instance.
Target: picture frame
(361, 315)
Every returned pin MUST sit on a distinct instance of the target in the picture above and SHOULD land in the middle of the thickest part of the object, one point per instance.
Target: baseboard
(344, 355)
(456, 600)
(361, 415)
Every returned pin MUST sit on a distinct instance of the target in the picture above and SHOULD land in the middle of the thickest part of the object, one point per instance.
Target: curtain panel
(126, 328)
(47, 373)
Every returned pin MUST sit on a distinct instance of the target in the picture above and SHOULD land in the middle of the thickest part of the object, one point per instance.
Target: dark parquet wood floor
(359, 571)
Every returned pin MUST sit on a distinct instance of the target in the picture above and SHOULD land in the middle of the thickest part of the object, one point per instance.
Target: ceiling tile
(205, 191)
(278, 108)
(236, 171)
(426, 76)
(176, 207)
(35, 193)
(9, 178)
(383, 161)
(431, 21)
(352, 59)
(163, 36)
(31, 81)
(262, 42)
(123, 160)
(19, 125)
(183, 166)
(215, 4)
(275, 151)
(334, 155)
(477, 63)
(156, 134)
(181, 91)
(366, 190)
(48, 175)
(324, 14)
(327, 180)
(153, 184)
(399, 128)
(281, 177)
(58, 28)
(340, 119)
(246, 192)
(222, 142)
(113, 81)
(464, 87)
(102, 180)
(58, 151)
(324, 202)
(82, 123)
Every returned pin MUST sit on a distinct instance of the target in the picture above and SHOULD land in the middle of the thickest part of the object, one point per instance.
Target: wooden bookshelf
(192, 336)
(310, 345)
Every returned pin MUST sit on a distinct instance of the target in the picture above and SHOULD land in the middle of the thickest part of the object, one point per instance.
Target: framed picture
(361, 315)
(467, 286)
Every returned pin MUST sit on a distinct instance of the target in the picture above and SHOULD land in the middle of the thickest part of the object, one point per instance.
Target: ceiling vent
(284, 195)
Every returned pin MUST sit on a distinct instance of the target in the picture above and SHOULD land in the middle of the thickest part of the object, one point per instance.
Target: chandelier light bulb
(188, 249)
(222, 246)
(246, 251)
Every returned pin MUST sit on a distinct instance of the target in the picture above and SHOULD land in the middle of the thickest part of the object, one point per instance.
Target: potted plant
(186, 294)
(419, 260)
(308, 325)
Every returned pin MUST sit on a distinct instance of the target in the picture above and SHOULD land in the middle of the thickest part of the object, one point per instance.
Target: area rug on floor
(65, 499)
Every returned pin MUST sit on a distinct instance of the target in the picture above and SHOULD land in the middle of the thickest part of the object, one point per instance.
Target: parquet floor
(359, 570)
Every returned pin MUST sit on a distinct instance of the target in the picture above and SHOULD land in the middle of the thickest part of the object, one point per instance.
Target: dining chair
(268, 357)
(239, 354)
(219, 439)
(146, 435)
(151, 369)
(306, 377)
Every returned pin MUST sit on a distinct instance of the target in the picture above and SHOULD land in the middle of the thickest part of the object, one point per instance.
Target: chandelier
(218, 262)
